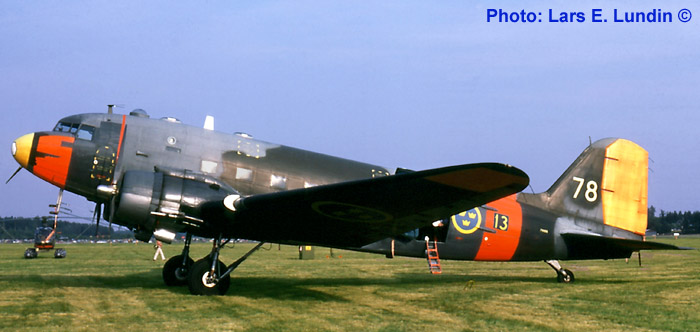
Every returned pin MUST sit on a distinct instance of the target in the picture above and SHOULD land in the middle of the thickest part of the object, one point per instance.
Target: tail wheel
(174, 274)
(565, 276)
(200, 281)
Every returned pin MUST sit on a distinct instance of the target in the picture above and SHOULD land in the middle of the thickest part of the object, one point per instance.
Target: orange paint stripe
(121, 138)
(53, 154)
(501, 246)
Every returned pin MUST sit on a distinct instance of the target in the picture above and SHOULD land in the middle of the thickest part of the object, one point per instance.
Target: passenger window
(278, 182)
(208, 166)
(244, 174)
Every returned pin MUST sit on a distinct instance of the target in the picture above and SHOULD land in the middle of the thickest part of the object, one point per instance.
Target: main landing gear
(207, 276)
(563, 275)
(177, 268)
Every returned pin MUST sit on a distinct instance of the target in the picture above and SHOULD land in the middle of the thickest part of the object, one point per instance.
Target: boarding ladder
(432, 255)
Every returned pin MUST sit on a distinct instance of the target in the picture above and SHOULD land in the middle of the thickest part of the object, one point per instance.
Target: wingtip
(483, 177)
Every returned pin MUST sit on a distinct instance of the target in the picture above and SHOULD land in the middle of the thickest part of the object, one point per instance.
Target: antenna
(111, 107)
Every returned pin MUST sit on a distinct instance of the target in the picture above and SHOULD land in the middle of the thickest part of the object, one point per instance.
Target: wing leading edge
(355, 213)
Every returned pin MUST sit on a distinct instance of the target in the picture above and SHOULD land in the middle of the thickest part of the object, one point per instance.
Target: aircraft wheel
(174, 274)
(59, 253)
(566, 276)
(30, 253)
(197, 280)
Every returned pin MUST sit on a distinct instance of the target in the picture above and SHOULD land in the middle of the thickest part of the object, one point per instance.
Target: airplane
(159, 177)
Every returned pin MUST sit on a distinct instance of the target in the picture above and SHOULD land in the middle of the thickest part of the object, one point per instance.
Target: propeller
(13, 174)
(98, 214)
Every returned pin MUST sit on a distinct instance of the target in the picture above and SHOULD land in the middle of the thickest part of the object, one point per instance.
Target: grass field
(118, 287)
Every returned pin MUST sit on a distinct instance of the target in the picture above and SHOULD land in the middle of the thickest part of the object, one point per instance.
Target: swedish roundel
(467, 222)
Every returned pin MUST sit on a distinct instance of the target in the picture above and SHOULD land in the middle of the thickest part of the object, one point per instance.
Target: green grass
(118, 287)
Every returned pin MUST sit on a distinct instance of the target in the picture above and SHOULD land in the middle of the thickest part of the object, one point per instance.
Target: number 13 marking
(500, 221)
(591, 193)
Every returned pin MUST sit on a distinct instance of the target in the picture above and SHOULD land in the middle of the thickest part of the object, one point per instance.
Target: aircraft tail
(606, 184)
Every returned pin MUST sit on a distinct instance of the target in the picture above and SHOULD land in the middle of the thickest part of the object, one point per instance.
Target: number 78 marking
(591, 193)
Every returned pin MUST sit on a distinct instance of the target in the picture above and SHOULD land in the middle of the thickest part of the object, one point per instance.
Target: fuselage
(88, 150)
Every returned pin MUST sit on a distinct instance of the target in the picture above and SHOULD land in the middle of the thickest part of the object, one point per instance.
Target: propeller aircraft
(159, 177)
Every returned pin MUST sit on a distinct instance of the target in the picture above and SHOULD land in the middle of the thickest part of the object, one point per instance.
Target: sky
(412, 84)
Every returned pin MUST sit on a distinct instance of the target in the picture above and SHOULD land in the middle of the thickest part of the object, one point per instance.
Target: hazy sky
(413, 84)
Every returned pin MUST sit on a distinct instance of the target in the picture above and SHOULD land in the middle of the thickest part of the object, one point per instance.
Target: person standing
(159, 250)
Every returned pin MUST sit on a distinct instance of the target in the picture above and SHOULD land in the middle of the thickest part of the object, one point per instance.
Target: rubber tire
(30, 253)
(59, 253)
(566, 279)
(199, 270)
(173, 272)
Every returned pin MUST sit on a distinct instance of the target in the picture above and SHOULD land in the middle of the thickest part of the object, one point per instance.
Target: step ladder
(433, 258)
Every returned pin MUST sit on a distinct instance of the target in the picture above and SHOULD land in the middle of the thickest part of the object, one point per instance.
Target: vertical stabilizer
(607, 183)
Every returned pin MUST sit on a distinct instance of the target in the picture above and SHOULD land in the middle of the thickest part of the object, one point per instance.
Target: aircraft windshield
(81, 131)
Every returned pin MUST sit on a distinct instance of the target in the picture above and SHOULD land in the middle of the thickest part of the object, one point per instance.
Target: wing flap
(352, 214)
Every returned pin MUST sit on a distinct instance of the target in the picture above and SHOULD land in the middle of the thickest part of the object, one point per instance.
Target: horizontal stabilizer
(589, 246)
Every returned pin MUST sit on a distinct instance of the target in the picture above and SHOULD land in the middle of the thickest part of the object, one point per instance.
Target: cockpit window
(85, 132)
(66, 127)
(81, 131)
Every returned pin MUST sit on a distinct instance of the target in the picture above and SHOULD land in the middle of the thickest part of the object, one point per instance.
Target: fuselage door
(106, 139)
(103, 164)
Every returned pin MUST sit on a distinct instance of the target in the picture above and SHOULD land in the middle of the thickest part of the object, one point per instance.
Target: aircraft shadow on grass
(148, 280)
(283, 287)
(299, 288)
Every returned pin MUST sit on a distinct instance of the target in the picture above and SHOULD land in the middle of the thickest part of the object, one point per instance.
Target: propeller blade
(112, 207)
(98, 214)
(13, 175)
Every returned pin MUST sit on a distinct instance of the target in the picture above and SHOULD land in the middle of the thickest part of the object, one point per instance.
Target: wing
(352, 214)
(586, 246)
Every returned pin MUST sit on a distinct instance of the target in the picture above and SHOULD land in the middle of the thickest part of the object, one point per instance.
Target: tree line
(671, 222)
(23, 228)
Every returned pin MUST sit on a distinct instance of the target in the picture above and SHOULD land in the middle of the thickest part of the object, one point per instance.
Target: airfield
(119, 287)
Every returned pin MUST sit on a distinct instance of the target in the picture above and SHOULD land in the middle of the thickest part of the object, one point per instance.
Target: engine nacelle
(166, 199)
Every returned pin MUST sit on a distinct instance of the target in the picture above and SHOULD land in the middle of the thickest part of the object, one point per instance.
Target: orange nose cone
(21, 148)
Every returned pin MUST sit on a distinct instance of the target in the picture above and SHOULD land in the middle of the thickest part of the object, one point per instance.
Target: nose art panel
(52, 158)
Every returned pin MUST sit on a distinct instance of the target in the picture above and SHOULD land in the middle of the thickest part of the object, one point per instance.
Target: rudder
(624, 187)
